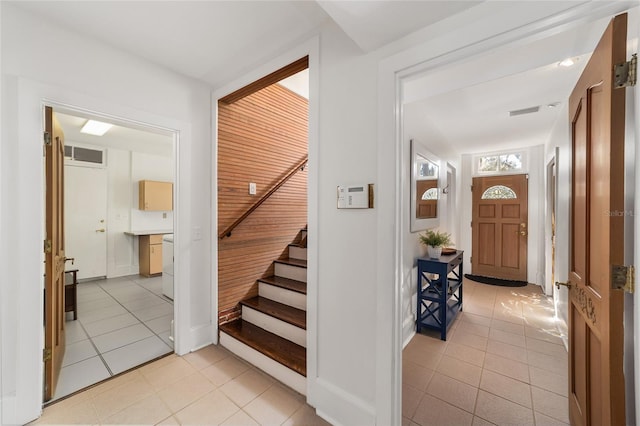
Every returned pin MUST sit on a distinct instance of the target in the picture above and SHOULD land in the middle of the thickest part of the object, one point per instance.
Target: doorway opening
(540, 164)
(118, 248)
(263, 149)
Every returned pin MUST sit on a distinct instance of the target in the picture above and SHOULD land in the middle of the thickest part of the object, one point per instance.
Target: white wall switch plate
(252, 188)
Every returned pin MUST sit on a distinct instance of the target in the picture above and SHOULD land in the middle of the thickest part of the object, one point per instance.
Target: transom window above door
(499, 163)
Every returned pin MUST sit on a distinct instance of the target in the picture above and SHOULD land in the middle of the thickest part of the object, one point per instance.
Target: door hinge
(623, 278)
(47, 246)
(47, 138)
(471, 188)
(471, 224)
(624, 74)
(46, 355)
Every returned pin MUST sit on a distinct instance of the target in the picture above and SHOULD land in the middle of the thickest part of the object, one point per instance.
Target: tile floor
(503, 363)
(122, 322)
(207, 387)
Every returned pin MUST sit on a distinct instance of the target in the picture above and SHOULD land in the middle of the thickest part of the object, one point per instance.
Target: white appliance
(167, 265)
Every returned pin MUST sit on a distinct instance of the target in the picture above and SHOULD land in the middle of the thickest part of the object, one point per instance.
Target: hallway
(503, 364)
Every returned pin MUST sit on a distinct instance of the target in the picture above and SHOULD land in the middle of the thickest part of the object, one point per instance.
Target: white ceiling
(118, 137)
(214, 41)
(372, 24)
(464, 105)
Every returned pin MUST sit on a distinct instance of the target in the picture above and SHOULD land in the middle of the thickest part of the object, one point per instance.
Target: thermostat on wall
(355, 196)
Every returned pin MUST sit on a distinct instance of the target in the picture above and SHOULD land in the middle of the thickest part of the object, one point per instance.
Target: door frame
(30, 98)
(551, 211)
(393, 70)
(128, 122)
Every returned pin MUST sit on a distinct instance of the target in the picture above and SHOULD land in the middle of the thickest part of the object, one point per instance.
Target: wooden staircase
(272, 331)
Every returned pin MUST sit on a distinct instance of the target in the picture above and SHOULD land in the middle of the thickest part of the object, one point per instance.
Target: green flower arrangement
(435, 238)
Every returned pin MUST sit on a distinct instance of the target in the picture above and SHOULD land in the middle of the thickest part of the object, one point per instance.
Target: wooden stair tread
(286, 283)
(275, 347)
(293, 262)
(283, 312)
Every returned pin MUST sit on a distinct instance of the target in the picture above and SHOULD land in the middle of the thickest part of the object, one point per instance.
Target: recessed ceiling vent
(524, 111)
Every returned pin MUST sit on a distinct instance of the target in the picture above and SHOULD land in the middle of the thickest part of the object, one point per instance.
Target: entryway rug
(495, 281)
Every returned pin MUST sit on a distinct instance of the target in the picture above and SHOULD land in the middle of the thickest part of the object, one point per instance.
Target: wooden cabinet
(154, 195)
(150, 252)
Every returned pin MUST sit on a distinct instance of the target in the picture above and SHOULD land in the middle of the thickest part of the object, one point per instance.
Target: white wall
(122, 250)
(448, 218)
(124, 169)
(87, 74)
(149, 167)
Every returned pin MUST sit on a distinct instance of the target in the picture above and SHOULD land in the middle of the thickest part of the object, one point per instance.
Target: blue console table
(439, 292)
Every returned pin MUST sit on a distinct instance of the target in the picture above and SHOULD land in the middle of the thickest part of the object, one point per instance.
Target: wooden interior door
(596, 113)
(54, 316)
(499, 227)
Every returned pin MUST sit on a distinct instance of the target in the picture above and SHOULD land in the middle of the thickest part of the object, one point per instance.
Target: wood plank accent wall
(260, 138)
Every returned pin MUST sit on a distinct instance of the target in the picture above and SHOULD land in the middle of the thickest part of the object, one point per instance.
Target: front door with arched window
(500, 227)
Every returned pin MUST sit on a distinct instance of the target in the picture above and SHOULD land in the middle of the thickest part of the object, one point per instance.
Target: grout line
(99, 284)
(136, 317)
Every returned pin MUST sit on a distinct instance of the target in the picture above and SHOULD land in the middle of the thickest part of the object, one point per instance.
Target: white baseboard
(201, 336)
(408, 330)
(339, 407)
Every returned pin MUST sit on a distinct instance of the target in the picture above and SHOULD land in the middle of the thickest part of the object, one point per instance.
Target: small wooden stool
(70, 292)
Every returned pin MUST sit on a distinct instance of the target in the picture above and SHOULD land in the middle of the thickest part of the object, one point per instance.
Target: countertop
(151, 232)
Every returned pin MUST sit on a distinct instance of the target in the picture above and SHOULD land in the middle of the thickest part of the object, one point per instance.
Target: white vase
(434, 252)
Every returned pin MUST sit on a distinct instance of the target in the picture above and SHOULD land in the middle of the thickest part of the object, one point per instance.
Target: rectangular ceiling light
(96, 128)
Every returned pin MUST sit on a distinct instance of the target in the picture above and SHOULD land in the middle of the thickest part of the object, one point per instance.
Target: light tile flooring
(122, 322)
(207, 387)
(503, 364)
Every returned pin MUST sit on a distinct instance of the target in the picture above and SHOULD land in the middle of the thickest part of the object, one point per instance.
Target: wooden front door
(596, 113)
(499, 227)
(54, 316)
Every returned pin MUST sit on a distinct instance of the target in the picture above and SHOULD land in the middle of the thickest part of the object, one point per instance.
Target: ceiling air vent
(524, 111)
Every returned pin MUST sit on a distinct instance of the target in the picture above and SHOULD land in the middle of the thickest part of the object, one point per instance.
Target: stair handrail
(289, 175)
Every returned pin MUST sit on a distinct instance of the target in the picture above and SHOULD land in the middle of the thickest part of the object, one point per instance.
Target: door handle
(101, 230)
(567, 285)
(523, 233)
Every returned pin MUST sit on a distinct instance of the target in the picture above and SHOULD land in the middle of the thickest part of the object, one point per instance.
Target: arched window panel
(430, 194)
(498, 192)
